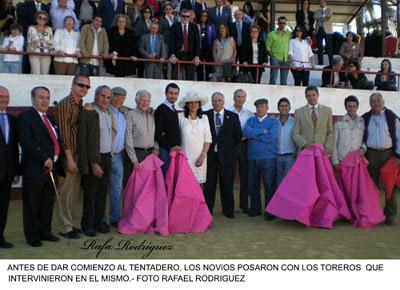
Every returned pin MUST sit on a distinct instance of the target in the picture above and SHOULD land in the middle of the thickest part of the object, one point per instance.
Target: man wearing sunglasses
(66, 114)
(184, 45)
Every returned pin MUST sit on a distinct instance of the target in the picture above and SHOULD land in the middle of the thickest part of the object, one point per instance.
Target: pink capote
(390, 176)
(188, 211)
(145, 200)
(360, 190)
(309, 193)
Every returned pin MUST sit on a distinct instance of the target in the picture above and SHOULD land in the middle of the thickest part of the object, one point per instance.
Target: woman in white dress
(195, 134)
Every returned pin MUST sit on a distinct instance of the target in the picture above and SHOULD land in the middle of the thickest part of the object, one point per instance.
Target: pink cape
(360, 191)
(145, 200)
(390, 176)
(188, 211)
(309, 193)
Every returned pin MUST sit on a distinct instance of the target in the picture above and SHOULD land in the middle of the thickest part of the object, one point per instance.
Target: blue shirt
(120, 123)
(285, 137)
(261, 145)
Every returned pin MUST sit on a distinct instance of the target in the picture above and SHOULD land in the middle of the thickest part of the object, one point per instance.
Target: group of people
(95, 148)
(184, 31)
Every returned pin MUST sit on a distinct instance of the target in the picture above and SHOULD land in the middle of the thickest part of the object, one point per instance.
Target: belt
(144, 149)
(285, 154)
(105, 154)
(379, 150)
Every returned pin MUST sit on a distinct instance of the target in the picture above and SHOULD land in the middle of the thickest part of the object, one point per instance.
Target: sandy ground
(240, 238)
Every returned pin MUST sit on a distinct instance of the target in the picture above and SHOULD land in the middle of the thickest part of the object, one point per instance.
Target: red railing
(178, 63)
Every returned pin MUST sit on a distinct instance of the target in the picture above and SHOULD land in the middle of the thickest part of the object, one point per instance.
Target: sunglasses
(282, 23)
(185, 16)
(83, 86)
(41, 18)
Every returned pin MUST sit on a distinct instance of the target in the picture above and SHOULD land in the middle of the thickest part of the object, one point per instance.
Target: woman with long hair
(224, 53)
(140, 28)
(305, 18)
(350, 50)
(207, 37)
(256, 53)
(249, 13)
(357, 79)
(386, 79)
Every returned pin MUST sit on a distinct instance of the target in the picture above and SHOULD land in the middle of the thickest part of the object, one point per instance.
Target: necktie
(52, 135)
(217, 122)
(185, 39)
(37, 7)
(153, 44)
(3, 125)
(113, 4)
(173, 107)
(218, 13)
(314, 116)
(239, 33)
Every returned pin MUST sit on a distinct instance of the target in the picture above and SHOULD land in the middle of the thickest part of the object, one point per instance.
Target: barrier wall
(20, 85)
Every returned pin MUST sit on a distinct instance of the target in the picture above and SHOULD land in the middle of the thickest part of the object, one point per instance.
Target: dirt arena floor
(239, 238)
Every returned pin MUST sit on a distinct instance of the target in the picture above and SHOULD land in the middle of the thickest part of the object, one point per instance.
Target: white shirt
(70, 4)
(285, 137)
(13, 42)
(67, 42)
(52, 127)
(300, 52)
(255, 52)
(7, 126)
(169, 105)
(244, 115)
(316, 109)
(95, 50)
(349, 136)
(261, 118)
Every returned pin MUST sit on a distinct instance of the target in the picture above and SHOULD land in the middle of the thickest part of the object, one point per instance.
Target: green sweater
(278, 44)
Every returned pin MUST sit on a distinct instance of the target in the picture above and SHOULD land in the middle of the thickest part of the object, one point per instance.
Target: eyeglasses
(83, 86)
(185, 16)
(41, 18)
(282, 23)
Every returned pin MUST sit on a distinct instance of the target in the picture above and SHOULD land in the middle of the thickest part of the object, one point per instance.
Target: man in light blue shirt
(285, 145)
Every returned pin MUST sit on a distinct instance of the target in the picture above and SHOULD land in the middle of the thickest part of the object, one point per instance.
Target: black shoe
(5, 245)
(90, 233)
(245, 210)
(230, 216)
(269, 217)
(390, 222)
(76, 230)
(35, 243)
(70, 235)
(114, 224)
(50, 238)
(253, 214)
(103, 228)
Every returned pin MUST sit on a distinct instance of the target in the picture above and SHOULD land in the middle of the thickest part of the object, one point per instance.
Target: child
(14, 42)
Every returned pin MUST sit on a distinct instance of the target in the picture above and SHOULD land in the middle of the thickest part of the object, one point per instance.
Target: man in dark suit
(329, 78)
(40, 141)
(107, 9)
(184, 45)
(28, 12)
(240, 31)
(220, 14)
(226, 134)
(8, 160)
(195, 6)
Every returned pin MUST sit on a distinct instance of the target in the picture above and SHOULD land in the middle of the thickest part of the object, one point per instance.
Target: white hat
(193, 97)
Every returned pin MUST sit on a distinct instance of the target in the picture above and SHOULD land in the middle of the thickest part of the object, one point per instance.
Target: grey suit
(324, 30)
(152, 69)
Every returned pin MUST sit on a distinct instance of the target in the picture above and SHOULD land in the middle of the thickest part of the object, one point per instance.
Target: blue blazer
(107, 11)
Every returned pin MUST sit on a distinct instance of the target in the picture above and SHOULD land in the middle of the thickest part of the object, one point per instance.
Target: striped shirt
(66, 115)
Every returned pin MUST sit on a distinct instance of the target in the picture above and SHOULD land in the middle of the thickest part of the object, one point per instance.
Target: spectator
(93, 41)
(233, 7)
(85, 10)
(324, 30)
(66, 41)
(152, 46)
(184, 45)
(142, 27)
(278, 48)
(264, 22)
(240, 31)
(58, 14)
(107, 9)
(333, 78)
(224, 53)
(14, 42)
(305, 18)
(256, 53)
(220, 14)
(7, 15)
(357, 79)
(70, 4)
(195, 133)
(386, 79)
(40, 40)
(121, 44)
(261, 130)
(249, 13)
(350, 50)
(301, 57)
(134, 11)
(166, 22)
(28, 15)
(153, 6)
(207, 37)
(195, 6)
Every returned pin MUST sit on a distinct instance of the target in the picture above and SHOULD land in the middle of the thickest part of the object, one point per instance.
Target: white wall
(20, 85)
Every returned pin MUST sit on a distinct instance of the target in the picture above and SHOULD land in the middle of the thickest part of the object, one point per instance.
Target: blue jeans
(267, 169)
(12, 67)
(283, 165)
(116, 177)
(274, 71)
(164, 156)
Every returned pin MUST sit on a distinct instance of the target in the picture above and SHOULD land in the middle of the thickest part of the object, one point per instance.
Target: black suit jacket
(229, 136)
(262, 53)
(36, 144)
(9, 153)
(198, 8)
(328, 77)
(176, 40)
(300, 19)
(28, 14)
(167, 132)
(245, 38)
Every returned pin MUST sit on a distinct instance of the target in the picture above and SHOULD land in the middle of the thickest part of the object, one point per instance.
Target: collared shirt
(221, 116)
(57, 17)
(106, 145)
(140, 131)
(170, 105)
(262, 118)
(66, 114)
(86, 11)
(316, 109)
(349, 136)
(95, 50)
(244, 115)
(278, 44)
(285, 137)
(300, 51)
(120, 123)
(67, 42)
(38, 6)
(7, 126)
(255, 52)
(378, 133)
(51, 125)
